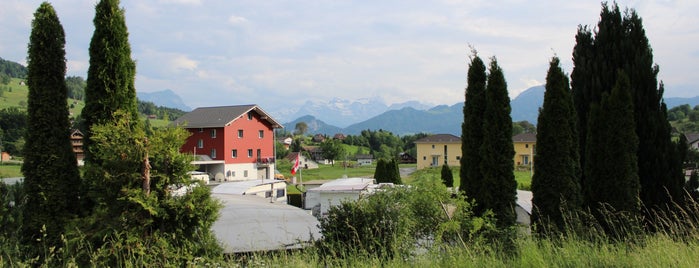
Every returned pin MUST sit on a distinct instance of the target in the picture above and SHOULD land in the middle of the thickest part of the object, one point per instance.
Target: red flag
(296, 165)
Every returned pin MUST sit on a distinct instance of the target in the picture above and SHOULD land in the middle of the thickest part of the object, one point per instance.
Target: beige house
(525, 148)
(437, 150)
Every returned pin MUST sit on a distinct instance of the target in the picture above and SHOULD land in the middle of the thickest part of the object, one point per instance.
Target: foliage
(301, 128)
(611, 165)
(522, 127)
(165, 113)
(332, 149)
(51, 176)
(13, 123)
(131, 209)
(619, 43)
(12, 69)
(110, 77)
(12, 201)
(447, 176)
(470, 175)
(387, 171)
(497, 151)
(395, 222)
(76, 87)
(555, 185)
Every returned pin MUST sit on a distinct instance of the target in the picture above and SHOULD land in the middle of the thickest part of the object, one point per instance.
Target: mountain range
(164, 98)
(442, 118)
(350, 117)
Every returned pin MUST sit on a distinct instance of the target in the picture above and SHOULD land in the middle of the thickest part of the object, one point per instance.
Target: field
(10, 170)
(329, 172)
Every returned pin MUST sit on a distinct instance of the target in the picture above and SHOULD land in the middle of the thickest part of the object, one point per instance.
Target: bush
(400, 221)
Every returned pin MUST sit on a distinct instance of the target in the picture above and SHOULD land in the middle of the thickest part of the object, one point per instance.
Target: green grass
(10, 171)
(16, 96)
(329, 172)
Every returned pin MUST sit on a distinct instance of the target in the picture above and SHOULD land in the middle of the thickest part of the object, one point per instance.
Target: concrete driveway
(251, 223)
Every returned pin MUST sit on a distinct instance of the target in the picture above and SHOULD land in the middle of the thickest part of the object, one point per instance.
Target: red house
(231, 143)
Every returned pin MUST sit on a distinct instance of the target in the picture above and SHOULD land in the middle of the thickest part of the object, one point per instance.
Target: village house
(76, 140)
(364, 159)
(304, 162)
(525, 148)
(692, 140)
(437, 150)
(231, 143)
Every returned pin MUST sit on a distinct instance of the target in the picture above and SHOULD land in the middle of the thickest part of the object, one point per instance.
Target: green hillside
(15, 95)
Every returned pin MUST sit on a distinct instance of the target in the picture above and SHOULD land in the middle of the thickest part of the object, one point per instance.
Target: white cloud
(182, 62)
(237, 20)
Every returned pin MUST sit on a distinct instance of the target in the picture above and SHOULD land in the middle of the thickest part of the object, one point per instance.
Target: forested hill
(76, 91)
(12, 69)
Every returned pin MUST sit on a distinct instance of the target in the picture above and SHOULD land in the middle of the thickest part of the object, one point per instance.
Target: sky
(281, 53)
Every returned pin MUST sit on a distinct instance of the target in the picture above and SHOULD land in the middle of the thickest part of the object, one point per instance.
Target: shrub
(400, 221)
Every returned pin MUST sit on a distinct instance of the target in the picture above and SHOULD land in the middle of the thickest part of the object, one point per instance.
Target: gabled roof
(692, 137)
(524, 137)
(205, 117)
(439, 138)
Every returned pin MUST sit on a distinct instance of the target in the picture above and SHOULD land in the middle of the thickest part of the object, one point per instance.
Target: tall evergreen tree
(50, 167)
(110, 77)
(470, 175)
(620, 43)
(447, 176)
(497, 150)
(381, 173)
(611, 165)
(555, 185)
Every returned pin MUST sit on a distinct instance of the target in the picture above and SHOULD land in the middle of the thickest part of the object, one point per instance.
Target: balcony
(264, 161)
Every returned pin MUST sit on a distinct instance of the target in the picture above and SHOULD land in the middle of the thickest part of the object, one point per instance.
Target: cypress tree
(497, 150)
(620, 43)
(380, 173)
(447, 176)
(395, 172)
(611, 165)
(555, 185)
(110, 77)
(472, 130)
(50, 167)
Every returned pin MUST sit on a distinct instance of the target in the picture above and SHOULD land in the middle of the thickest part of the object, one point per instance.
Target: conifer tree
(395, 172)
(555, 185)
(110, 77)
(611, 165)
(380, 173)
(447, 176)
(620, 43)
(497, 150)
(472, 130)
(50, 167)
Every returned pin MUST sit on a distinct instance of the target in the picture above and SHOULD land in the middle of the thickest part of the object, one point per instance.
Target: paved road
(12, 180)
(404, 172)
(251, 223)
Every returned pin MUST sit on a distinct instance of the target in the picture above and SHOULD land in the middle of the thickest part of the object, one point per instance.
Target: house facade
(525, 149)
(231, 143)
(437, 150)
(76, 140)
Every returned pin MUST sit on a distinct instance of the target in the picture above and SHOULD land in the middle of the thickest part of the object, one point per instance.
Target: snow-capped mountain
(342, 112)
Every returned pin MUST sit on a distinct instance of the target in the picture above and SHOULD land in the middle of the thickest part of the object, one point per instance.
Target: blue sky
(282, 53)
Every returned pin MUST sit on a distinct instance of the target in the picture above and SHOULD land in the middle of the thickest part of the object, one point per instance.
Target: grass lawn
(10, 171)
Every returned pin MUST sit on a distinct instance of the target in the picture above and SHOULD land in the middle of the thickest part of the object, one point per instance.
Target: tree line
(604, 142)
(121, 206)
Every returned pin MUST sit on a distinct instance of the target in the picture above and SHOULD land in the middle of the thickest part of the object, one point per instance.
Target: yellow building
(436, 150)
(525, 148)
